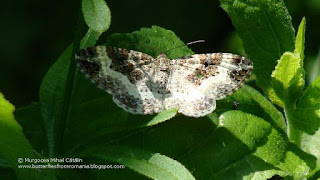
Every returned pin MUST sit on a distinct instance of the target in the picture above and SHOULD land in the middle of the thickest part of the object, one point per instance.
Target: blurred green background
(35, 33)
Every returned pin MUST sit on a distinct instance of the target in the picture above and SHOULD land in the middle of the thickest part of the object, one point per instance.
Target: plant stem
(293, 133)
(69, 84)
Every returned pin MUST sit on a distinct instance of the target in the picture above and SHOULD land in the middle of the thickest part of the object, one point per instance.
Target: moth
(141, 84)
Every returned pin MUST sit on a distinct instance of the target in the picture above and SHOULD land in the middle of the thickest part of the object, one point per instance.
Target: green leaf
(250, 167)
(90, 39)
(266, 31)
(13, 144)
(152, 41)
(297, 163)
(32, 123)
(275, 150)
(152, 165)
(236, 145)
(51, 95)
(288, 78)
(311, 144)
(300, 39)
(261, 163)
(52, 91)
(246, 127)
(306, 116)
(163, 116)
(96, 14)
(251, 101)
(211, 146)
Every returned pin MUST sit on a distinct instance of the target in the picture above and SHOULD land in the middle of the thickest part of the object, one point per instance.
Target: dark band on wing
(119, 59)
(199, 74)
(87, 62)
(126, 62)
(210, 59)
(243, 72)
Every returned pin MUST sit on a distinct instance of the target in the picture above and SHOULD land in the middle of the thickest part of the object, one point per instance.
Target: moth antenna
(193, 42)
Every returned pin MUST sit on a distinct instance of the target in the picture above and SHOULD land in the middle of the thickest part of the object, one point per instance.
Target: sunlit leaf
(96, 14)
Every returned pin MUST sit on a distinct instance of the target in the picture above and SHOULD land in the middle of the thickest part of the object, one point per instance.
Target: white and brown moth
(141, 84)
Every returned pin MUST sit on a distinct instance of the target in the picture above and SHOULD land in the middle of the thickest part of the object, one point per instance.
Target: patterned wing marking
(220, 73)
(123, 74)
(234, 71)
(190, 99)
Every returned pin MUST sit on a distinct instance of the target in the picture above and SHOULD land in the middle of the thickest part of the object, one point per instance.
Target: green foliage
(96, 14)
(163, 116)
(13, 144)
(311, 144)
(266, 31)
(29, 118)
(251, 101)
(52, 91)
(152, 165)
(252, 140)
(306, 116)
(288, 76)
(287, 81)
(152, 41)
(266, 41)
